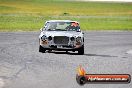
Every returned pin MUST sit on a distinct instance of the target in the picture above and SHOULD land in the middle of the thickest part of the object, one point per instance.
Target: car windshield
(62, 26)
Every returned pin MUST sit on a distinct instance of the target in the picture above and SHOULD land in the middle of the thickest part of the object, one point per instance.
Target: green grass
(30, 15)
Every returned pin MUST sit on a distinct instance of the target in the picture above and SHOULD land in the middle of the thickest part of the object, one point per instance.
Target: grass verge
(30, 15)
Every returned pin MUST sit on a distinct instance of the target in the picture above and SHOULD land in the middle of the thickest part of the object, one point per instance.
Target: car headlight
(72, 39)
(49, 38)
(78, 39)
(43, 38)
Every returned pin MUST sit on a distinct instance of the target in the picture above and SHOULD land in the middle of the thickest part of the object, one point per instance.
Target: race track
(22, 66)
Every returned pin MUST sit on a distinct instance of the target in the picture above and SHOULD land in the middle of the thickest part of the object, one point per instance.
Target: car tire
(81, 50)
(41, 49)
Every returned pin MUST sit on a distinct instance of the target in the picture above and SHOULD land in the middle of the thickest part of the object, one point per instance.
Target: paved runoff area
(22, 66)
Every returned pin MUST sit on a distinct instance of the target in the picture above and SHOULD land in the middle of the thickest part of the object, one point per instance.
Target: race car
(64, 35)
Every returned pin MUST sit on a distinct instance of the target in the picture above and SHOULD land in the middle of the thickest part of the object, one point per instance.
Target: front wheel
(81, 50)
(41, 49)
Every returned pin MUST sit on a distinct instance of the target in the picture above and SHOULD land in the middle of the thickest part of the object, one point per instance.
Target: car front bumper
(62, 48)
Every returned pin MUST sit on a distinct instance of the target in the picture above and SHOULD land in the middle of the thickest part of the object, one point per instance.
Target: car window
(62, 26)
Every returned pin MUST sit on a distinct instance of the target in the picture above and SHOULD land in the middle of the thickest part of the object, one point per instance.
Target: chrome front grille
(61, 40)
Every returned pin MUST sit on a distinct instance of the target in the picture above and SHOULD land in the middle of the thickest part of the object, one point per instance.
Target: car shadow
(64, 52)
(75, 53)
(100, 55)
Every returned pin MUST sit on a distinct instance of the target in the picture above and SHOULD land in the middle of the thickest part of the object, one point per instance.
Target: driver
(73, 26)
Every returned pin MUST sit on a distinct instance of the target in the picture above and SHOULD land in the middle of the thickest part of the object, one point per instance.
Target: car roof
(61, 21)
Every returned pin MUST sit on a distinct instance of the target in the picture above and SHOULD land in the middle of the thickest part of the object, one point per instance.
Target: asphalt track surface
(22, 66)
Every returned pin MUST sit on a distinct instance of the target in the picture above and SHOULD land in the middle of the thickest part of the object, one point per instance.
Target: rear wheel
(81, 50)
(41, 49)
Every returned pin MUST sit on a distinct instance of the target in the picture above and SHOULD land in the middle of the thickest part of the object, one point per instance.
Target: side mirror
(41, 29)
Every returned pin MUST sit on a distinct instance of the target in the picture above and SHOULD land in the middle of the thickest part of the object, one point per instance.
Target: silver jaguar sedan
(62, 35)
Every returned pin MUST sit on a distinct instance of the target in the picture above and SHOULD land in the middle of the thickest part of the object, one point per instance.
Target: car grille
(61, 40)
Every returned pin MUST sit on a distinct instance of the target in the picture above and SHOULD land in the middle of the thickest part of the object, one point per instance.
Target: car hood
(62, 33)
